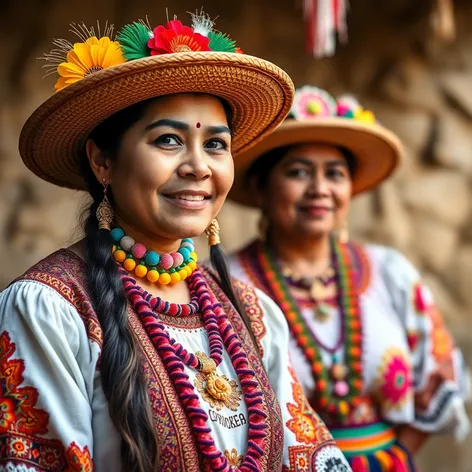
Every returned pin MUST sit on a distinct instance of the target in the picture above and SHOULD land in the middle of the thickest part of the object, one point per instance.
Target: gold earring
(263, 228)
(343, 234)
(105, 210)
(213, 233)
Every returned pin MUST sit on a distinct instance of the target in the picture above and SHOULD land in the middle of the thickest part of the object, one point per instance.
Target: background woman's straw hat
(316, 117)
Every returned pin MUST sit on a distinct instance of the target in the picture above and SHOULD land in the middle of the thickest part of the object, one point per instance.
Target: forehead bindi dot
(198, 125)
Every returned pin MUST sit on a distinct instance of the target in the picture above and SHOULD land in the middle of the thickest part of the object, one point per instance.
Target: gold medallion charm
(217, 390)
(322, 312)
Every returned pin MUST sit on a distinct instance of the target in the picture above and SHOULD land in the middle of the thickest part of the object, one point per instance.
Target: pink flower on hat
(312, 102)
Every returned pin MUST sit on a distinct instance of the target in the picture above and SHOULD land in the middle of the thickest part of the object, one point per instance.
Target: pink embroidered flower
(395, 380)
(421, 298)
(312, 102)
(176, 38)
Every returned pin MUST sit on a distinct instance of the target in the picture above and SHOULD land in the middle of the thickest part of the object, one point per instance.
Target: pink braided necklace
(220, 335)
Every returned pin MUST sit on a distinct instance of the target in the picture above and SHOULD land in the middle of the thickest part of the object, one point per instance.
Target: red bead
(285, 306)
(323, 402)
(357, 383)
(310, 352)
(357, 367)
(297, 329)
(173, 309)
(355, 351)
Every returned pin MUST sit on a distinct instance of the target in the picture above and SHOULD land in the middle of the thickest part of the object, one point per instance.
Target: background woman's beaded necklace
(221, 335)
(346, 377)
(159, 268)
(317, 287)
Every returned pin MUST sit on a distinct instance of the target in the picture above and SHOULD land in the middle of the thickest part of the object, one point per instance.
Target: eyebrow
(309, 162)
(185, 127)
(169, 123)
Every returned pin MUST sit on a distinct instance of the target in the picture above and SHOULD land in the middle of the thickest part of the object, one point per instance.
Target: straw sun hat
(99, 76)
(320, 119)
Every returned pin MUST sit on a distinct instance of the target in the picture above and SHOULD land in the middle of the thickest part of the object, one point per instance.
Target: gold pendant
(322, 312)
(217, 390)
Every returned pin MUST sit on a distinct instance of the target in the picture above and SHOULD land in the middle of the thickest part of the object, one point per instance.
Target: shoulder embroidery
(63, 272)
(362, 266)
(22, 423)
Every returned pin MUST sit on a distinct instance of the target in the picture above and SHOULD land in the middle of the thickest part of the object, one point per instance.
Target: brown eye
(298, 173)
(167, 140)
(216, 145)
(336, 173)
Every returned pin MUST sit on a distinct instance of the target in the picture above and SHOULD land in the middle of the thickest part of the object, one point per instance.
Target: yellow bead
(164, 279)
(119, 255)
(183, 274)
(113, 249)
(192, 265)
(129, 264)
(153, 276)
(188, 270)
(175, 278)
(343, 408)
(194, 256)
(140, 270)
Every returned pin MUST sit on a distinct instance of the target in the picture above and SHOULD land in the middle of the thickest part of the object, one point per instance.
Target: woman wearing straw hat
(119, 353)
(367, 342)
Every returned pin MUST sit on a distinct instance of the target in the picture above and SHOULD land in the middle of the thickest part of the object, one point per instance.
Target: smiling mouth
(189, 198)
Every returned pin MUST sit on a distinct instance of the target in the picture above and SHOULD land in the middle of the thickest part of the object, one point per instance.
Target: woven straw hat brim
(377, 150)
(259, 93)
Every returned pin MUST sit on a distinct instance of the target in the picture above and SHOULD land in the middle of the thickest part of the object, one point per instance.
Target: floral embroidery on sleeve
(22, 424)
(304, 422)
(395, 381)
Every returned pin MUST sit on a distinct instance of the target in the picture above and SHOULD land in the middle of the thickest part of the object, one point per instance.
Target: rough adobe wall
(416, 86)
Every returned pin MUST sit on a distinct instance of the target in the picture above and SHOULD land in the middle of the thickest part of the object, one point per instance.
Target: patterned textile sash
(373, 448)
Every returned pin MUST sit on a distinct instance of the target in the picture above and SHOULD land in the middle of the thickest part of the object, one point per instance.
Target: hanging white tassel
(325, 20)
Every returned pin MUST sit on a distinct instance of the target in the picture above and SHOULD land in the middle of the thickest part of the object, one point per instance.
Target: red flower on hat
(176, 38)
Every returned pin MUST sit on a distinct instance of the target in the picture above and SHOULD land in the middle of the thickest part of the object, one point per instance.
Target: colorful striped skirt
(373, 448)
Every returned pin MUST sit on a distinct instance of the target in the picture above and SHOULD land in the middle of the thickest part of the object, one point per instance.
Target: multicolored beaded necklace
(163, 269)
(317, 287)
(346, 377)
(220, 335)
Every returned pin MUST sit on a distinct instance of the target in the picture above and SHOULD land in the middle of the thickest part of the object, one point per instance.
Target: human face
(174, 167)
(308, 192)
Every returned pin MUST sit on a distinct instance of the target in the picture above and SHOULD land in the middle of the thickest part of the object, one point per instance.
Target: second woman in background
(367, 342)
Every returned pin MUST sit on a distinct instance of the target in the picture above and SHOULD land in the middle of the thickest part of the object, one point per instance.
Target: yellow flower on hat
(86, 58)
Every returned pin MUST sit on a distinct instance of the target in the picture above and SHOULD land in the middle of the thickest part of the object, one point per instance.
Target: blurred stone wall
(417, 86)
